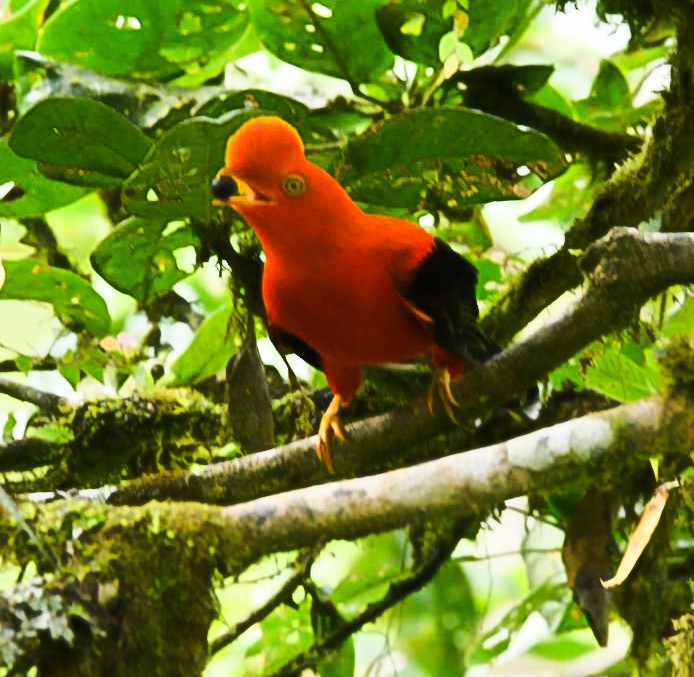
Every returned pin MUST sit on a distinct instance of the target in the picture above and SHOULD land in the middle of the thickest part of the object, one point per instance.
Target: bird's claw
(330, 426)
(441, 386)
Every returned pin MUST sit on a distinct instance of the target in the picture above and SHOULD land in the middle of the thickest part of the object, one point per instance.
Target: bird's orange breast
(347, 307)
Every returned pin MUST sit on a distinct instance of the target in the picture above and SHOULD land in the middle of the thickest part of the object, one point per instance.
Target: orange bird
(344, 289)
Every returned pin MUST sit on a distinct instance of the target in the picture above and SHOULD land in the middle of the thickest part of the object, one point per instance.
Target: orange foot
(330, 425)
(441, 386)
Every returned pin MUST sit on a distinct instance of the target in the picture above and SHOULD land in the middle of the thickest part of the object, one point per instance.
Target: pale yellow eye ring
(294, 185)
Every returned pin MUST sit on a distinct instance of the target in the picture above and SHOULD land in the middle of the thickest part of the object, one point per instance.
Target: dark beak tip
(224, 187)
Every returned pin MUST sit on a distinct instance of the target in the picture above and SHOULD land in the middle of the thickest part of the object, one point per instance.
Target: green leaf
(148, 106)
(490, 19)
(439, 622)
(615, 375)
(325, 619)
(33, 194)
(210, 350)
(24, 363)
(378, 564)
(145, 40)
(413, 29)
(571, 197)
(610, 88)
(483, 651)
(19, 31)
(566, 647)
(681, 321)
(79, 141)
(138, 257)
(74, 300)
(286, 632)
(70, 372)
(174, 180)
(569, 371)
(430, 158)
(248, 99)
(343, 39)
(609, 105)
(552, 98)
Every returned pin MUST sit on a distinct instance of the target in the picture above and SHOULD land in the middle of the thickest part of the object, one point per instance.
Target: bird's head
(267, 176)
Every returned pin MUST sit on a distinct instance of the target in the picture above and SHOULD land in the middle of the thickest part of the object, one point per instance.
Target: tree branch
(45, 401)
(301, 569)
(635, 193)
(626, 269)
(492, 89)
(463, 484)
(397, 592)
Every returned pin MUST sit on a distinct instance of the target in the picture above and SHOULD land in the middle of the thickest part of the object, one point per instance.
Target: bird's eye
(293, 185)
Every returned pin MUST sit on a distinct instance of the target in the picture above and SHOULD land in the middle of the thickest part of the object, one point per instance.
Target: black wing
(443, 288)
(288, 343)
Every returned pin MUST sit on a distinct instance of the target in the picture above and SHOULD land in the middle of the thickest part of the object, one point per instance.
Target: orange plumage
(335, 278)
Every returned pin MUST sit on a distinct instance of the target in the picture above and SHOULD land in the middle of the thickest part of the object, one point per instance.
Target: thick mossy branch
(143, 581)
(626, 269)
(105, 441)
(640, 189)
(167, 552)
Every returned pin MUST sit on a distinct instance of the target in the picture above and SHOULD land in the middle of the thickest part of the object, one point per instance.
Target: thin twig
(45, 401)
(397, 592)
(301, 569)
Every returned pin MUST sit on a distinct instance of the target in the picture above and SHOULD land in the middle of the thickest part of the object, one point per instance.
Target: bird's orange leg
(441, 386)
(330, 425)
(344, 381)
(447, 369)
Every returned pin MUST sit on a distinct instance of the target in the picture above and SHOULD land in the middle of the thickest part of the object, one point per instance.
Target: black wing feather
(288, 343)
(443, 288)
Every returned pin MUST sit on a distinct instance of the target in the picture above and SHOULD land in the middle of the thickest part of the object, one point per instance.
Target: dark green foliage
(432, 109)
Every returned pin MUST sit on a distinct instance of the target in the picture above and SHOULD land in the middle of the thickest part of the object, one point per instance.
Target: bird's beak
(230, 191)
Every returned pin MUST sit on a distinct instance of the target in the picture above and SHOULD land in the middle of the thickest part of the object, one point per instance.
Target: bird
(344, 289)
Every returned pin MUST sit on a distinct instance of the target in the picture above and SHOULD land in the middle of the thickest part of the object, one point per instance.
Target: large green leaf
(286, 632)
(445, 156)
(490, 19)
(79, 141)
(609, 104)
(681, 321)
(332, 36)
(33, 194)
(148, 40)
(497, 639)
(414, 28)
(437, 646)
(210, 350)
(138, 258)
(174, 180)
(18, 31)
(249, 99)
(149, 106)
(616, 375)
(74, 300)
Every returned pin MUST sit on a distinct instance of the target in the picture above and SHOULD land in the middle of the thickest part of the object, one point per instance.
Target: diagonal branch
(635, 193)
(301, 570)
(47, 402)
(626, 269)
(396, 593)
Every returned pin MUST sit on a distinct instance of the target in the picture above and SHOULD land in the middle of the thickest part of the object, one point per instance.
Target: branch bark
(636, 192)
(45, 401)
(626, 268)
